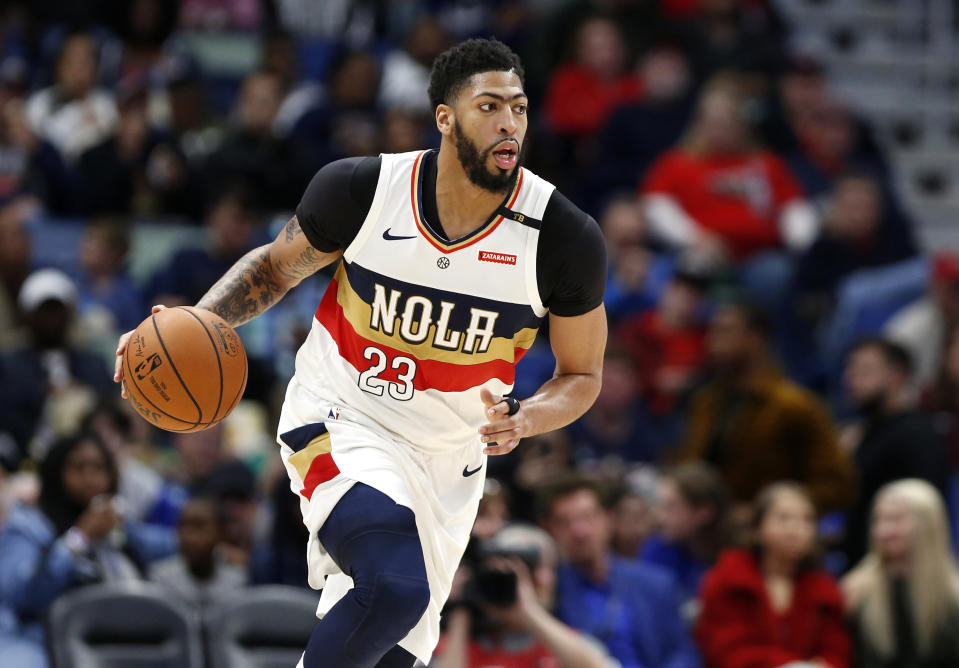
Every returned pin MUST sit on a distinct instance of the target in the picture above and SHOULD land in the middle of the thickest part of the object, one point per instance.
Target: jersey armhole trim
(376, 206)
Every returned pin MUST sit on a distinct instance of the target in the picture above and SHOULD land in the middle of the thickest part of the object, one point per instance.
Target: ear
(445, 119)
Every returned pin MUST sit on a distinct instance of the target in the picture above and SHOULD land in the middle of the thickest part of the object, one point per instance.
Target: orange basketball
(184, 369)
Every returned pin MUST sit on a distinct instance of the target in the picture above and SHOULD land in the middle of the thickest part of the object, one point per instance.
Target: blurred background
(778, 185)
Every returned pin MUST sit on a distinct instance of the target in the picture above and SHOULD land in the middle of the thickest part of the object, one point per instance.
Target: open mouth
(505, 155)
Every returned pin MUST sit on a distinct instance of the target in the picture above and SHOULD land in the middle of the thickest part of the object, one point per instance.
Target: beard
(474, 164)
(872, 405)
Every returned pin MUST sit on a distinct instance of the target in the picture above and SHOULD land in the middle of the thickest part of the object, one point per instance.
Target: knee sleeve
(395, 602)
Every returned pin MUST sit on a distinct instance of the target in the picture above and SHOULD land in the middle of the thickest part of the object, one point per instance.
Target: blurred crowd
(766, 477)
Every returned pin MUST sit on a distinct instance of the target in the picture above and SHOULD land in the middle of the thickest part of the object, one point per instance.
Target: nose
(508, 122)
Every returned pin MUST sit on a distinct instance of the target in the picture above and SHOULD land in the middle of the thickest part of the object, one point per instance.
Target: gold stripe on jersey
(301, 460)
(359, 314)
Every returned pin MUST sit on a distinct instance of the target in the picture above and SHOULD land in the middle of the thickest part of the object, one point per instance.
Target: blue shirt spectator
(632, 608)
(75, 537)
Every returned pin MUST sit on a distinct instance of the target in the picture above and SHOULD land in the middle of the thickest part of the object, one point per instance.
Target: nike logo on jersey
(393, 237)
(467, 473)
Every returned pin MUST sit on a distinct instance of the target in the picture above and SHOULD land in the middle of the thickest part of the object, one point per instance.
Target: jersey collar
(441, 244)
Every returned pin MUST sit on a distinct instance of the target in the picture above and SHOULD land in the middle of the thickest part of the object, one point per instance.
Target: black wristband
(513, 404)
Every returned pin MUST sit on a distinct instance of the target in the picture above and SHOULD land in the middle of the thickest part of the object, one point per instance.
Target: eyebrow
(497, 96)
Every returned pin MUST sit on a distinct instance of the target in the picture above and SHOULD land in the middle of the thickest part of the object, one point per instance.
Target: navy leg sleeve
(374, 541)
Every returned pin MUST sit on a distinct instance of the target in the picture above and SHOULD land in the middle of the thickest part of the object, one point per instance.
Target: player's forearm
(560, 401)
(251, 286)
(569, 648)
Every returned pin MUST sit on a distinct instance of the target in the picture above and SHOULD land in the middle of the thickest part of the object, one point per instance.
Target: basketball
(184, 369)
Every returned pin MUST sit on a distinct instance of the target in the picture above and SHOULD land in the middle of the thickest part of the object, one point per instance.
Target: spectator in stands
(857, 236)
(632, 608)
(903, 597)
(830, 142)
(30, 165)
(147, 497)
(692, 525)
(406, 70)
(494, 511)
(731, 35)
(43, 384)
(514, 596)
(668, 342)
(191, 271)
(718, 196)
(199, 575)
(15, 650)
(582, 94)
(542, 459)
(15, 254)
(114, 172)
(756, 426)
(104, 285)
(922, 327)
(637, 133)
(279, 558)
(637, 274)
(73, 114)
(632, 515)
(894, 438)
(618, 424)
(208, 468)
(77, 535)
(941, 399)
(273, 170)
(347, 122)
(176, 165)
(772, 605)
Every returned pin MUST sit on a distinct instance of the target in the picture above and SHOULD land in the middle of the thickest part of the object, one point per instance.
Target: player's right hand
(121, 348)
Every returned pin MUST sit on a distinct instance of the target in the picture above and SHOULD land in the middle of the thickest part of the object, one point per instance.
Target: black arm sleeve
(570, 259)
(336, 202)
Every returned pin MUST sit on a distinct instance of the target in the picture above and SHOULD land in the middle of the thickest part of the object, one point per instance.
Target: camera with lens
(496, 586)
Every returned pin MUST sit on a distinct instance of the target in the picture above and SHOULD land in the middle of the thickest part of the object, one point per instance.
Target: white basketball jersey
(413, 326)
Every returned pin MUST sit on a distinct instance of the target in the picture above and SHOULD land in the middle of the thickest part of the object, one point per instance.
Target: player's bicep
(579, 342)
(293, 256)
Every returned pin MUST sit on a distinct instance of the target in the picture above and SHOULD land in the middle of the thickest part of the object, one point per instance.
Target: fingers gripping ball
(184, 369)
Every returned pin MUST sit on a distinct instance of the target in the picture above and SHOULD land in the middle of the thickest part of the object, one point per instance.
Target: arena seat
(261, 627)
(128, 625)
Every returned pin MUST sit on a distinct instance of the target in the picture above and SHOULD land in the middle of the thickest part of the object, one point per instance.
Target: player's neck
(462, 205)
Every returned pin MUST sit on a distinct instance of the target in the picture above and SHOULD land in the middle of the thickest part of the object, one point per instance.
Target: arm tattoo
(304, 265)
(246, 290)
(293, 229)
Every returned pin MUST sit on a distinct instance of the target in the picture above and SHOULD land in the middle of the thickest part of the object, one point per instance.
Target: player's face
(489, 128)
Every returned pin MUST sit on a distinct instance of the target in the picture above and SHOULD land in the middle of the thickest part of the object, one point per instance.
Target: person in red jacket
(582, 94)
(770, 606)
(718, 196)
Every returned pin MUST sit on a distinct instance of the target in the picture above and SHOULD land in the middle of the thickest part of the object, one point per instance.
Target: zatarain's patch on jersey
(498, 258)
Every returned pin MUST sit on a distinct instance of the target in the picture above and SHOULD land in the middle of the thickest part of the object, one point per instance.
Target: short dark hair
(754, 317)
(453, 68)
(894, 354)
(564, 486)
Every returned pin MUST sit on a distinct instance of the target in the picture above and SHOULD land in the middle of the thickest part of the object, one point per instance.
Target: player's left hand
(503, 431)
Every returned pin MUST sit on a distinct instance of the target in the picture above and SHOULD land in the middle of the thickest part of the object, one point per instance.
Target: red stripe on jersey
(322, 468)
(430, 374)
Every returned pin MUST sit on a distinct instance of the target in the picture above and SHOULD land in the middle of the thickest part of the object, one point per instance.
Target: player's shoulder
(563, 220)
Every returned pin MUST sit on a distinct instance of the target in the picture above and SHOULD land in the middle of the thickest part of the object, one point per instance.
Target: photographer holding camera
(502, 617)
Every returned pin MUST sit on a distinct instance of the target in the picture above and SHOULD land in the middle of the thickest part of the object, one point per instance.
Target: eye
(488, 106)
(521, 109)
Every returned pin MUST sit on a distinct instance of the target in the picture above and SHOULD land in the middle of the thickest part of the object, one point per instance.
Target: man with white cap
(49, 364)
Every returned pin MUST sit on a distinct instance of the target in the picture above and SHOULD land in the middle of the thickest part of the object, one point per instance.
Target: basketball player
(448, 261)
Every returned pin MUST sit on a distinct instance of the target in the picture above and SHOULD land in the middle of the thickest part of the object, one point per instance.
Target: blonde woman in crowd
(903, 597)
